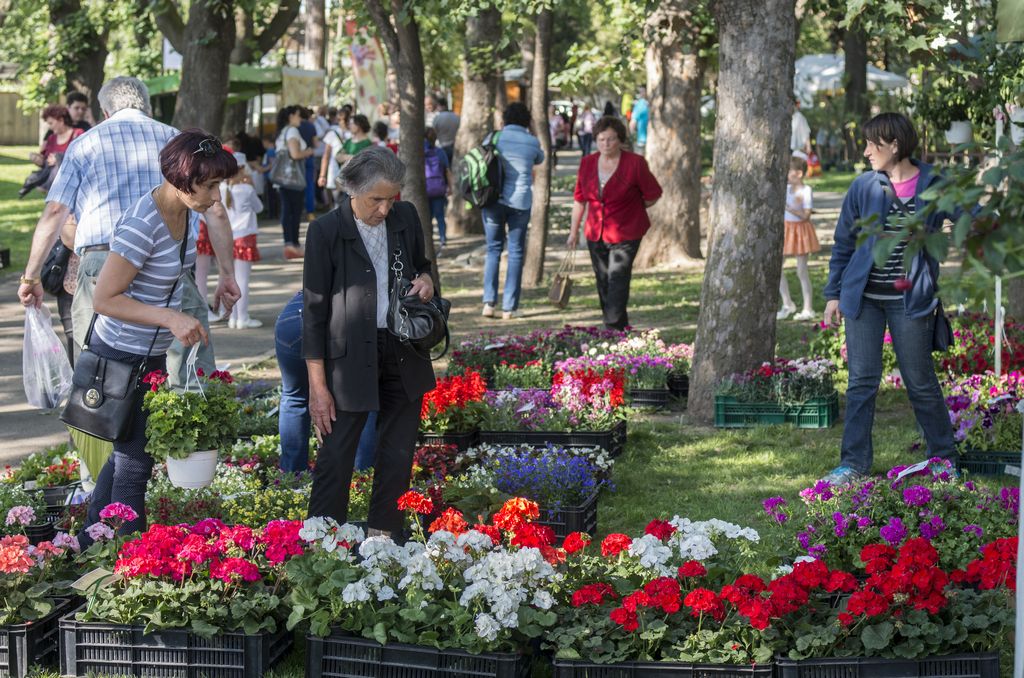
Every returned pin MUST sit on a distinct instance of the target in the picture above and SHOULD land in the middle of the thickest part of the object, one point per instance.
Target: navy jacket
(850, 265)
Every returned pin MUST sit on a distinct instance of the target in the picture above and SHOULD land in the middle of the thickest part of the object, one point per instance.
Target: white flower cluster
(652, 553)
(813, 368)
(501, 582)
(332, 537)
(694, 540)
(648, 342)
(486, 453)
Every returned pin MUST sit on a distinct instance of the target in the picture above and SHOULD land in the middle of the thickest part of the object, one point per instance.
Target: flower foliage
(782, 381)
(28, 577)
(982, 409)
(182, 422)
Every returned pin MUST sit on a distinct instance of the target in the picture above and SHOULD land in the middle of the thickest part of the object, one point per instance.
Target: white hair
(124, 92)
(369, 166)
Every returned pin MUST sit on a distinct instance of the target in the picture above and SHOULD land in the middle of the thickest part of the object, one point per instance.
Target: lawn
(17, 217)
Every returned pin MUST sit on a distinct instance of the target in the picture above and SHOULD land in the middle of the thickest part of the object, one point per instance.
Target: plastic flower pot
(959, 132)
(40, 532)
(194, 471)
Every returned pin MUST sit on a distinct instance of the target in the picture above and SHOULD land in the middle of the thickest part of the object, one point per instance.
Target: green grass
(834, 181)
(17, 217)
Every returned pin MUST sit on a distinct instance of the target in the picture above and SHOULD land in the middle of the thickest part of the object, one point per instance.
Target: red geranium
(449, 521)
(662, 529)
(593, 594)
(692, 568)
(576, 541)
(614, 544)
(416, 502)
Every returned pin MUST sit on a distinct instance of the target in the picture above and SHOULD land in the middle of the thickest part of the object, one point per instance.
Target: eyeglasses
(208, 147)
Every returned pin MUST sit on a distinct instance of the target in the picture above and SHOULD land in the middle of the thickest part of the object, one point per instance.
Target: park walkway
(24, 430)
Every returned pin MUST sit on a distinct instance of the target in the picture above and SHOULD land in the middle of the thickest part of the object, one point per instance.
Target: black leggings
(292, 205)
(64, 301)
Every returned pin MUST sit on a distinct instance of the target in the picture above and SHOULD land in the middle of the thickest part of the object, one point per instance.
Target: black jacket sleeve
(317, 284)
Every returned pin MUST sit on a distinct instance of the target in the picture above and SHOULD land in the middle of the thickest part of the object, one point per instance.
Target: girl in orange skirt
(242, 204)
(800, 240)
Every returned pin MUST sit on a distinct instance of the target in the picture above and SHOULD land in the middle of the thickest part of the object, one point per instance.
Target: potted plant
(986, 422)
(450, 414)
(531, 374)
(185, 587)
(468, 599)
(798, 391)
(30, 577)
(24, 513)
(186, 429)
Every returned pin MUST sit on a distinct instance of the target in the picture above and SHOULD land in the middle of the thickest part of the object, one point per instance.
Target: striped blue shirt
(106, 170)
(142, 238)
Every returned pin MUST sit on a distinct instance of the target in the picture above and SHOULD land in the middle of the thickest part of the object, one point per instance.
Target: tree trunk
(85, 54)
(402, 41)
(1013, 298)
(316, 35)
(675, 73)
(855, 80)
(483, 34)
(736, 326)
(536, 243)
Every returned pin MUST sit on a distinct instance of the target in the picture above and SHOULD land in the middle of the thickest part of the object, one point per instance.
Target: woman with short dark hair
(354, 364)
(508, 219)
(871, 297)
(290, 141)
(614, 188)
(137, 299)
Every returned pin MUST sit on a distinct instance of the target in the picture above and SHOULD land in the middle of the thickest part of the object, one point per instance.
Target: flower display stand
(815, 413)
(656, 398)
(990, 463)
(613, 439)
(98, 648)
(984, 665)
(342, 655)
(582, 669)
(564, 521)
(462, 441)
(31, 644)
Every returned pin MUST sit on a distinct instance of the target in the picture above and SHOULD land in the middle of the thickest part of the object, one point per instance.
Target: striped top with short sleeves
(142, 238)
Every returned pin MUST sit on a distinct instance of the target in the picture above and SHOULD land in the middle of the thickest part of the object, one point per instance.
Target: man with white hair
(103, 174)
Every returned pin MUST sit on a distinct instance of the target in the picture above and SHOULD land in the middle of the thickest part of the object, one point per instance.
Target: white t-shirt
(245, 204)
(800, 132)
(333, 140)
(804, 194)
(286, 136)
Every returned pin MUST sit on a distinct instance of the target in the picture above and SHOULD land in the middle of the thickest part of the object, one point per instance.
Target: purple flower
(917, 495)
(863, 523)
(817, 551)
(895, 471)
(894, 532)
(975, 530)
(933, 528)
(804, 538)
(821, 491)
(1009, 499)
(773, 503)
(21, 515)
(63, 540)
(99, 532)
(841, 523)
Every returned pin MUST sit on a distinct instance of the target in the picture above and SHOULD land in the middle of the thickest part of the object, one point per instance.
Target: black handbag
(419, 324)
(55, 268)
(105, 393)
(942, 332)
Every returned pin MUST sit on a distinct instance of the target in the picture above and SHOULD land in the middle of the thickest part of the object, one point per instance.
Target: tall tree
(536, 244)
(395, 21)
(736, 326)
(205, 42)
(855, 81)
(679, 35)
(316, 35)
(483, 34)
(84, 72)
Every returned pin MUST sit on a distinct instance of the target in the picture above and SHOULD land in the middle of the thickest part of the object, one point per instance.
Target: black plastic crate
(31, 644)
(462, 441)
(99, 648)
(563, 521)
(613, 439)
(985, 665)
(990, 463)
(342, 656)
(656, 398)
(581, 669)
(679, 386)
(40, 532)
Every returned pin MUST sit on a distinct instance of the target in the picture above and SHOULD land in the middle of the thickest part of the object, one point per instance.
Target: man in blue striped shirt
(103, 174)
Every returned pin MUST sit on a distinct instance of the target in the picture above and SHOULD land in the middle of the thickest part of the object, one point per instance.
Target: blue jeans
(495, 219)
(912, 340)
(293, 420)
(310, 193)
(437, 207)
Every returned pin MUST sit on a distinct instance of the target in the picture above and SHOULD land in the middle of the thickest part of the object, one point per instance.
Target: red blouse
(51, 145)
(617, 214)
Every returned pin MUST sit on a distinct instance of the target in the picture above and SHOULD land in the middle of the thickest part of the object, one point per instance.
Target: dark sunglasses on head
(208, 147)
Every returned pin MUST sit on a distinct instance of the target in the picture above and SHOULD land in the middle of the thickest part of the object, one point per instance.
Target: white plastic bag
(44, 363)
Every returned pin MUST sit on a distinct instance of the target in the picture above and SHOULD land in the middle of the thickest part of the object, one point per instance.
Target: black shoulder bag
(55, 268)
(105, 393)
(420, 325)
(942, 330)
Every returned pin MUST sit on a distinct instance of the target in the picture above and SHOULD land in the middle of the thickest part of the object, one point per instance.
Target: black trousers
(613, 268)
(397, 425)
(64, 308)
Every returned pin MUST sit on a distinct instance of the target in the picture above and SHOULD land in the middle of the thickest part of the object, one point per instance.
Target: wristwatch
(25, 280)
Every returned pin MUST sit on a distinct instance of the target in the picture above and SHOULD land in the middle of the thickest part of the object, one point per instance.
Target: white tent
(817, 72)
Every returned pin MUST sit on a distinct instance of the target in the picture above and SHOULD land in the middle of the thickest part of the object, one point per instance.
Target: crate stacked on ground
(798, 391)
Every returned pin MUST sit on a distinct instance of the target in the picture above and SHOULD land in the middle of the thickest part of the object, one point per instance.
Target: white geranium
(487, 627)
(356, 592)
(653, 554)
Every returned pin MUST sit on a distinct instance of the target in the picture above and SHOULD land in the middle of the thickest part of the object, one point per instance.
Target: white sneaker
(785, 312)
(488, 310)
(509, 315)
(248, 324)
(231, 323)
(805, 315)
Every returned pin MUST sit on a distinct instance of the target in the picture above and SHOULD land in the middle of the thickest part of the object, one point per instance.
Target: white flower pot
(959, 132)
(195, 470)
(1016, 124)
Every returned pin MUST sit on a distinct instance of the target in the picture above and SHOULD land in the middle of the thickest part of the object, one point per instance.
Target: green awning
(244, 82)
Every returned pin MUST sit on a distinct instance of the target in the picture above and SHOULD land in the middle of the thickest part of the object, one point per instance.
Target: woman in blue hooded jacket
(871, 297)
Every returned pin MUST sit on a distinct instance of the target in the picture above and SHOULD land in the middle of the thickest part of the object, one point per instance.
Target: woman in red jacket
(614, 188)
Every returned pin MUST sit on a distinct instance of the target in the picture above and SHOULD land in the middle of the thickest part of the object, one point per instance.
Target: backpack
(437, 184)
(480, 173)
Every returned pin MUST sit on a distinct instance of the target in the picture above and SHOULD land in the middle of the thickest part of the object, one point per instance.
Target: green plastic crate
(817, 413)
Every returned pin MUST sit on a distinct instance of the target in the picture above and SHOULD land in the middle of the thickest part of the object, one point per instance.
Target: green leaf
(380, 633)
(877, 636)
(204, 628)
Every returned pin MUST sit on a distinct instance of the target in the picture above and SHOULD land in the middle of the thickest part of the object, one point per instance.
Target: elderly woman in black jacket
(355, 365)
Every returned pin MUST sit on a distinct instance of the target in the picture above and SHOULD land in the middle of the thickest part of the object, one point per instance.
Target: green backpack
(480, 174)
